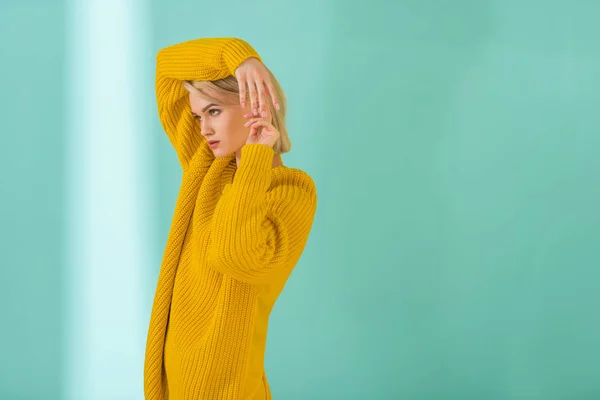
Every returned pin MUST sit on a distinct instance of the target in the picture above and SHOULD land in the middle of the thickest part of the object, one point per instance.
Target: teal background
(456, 249)
(32, 194)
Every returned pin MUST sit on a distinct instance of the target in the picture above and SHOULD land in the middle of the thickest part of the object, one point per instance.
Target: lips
(213, 141)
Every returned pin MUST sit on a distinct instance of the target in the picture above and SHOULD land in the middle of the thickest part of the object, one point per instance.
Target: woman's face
(221, 122)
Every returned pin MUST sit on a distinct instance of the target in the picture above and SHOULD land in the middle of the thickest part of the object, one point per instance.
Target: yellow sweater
(235, 237)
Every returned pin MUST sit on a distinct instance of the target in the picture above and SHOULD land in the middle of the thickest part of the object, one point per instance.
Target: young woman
(241, 222)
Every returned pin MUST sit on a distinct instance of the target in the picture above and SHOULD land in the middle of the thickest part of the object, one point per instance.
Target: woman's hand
(253, 73)
(262, 132)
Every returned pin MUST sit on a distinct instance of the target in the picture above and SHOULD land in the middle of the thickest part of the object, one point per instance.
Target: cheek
(234, 129)
(238, 127)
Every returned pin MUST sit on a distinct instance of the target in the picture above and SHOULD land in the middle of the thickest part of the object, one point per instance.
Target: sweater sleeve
(198, 59)
(259, 235)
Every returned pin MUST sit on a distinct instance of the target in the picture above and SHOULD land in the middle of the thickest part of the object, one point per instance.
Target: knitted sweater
(236, 235)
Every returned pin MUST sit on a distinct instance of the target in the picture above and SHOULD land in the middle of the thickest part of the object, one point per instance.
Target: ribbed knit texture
(235, 237)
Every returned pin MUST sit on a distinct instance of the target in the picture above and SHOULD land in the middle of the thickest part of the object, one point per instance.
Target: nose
(205, 129)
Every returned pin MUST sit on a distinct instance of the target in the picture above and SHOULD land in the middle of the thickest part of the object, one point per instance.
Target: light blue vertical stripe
(108, 200)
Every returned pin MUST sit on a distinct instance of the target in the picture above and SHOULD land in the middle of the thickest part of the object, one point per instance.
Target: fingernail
(255, 112)
(264, 113)
(277, 106)
(243, 104)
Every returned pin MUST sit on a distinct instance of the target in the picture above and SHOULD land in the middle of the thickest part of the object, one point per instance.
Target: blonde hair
(229, 92)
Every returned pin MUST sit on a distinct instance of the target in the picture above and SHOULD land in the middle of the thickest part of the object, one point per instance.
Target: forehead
(197, 100)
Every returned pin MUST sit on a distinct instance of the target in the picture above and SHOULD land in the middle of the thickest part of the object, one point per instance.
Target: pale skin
(230, 124)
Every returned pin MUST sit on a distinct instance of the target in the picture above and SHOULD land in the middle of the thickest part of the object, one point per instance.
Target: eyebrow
(204, 109)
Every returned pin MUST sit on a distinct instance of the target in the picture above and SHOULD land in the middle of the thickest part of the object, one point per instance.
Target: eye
(210, 111)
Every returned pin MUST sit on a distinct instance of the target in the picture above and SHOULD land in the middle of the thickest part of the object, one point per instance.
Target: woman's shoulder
(284, 176)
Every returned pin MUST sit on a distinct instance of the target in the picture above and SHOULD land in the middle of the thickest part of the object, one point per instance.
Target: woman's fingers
(258, 121)
(254, 127)
(253, 74)
(267, 89)
(242, 86)
(252, 121)
(262, 97)
(253, 96)
(252, 117)
(258, 98)
(273, 94)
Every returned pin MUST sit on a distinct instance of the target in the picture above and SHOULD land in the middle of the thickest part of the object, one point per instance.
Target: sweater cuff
(254, 173)
(236, 52)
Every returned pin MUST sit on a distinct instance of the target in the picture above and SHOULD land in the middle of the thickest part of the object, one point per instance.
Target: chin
(219, 152)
